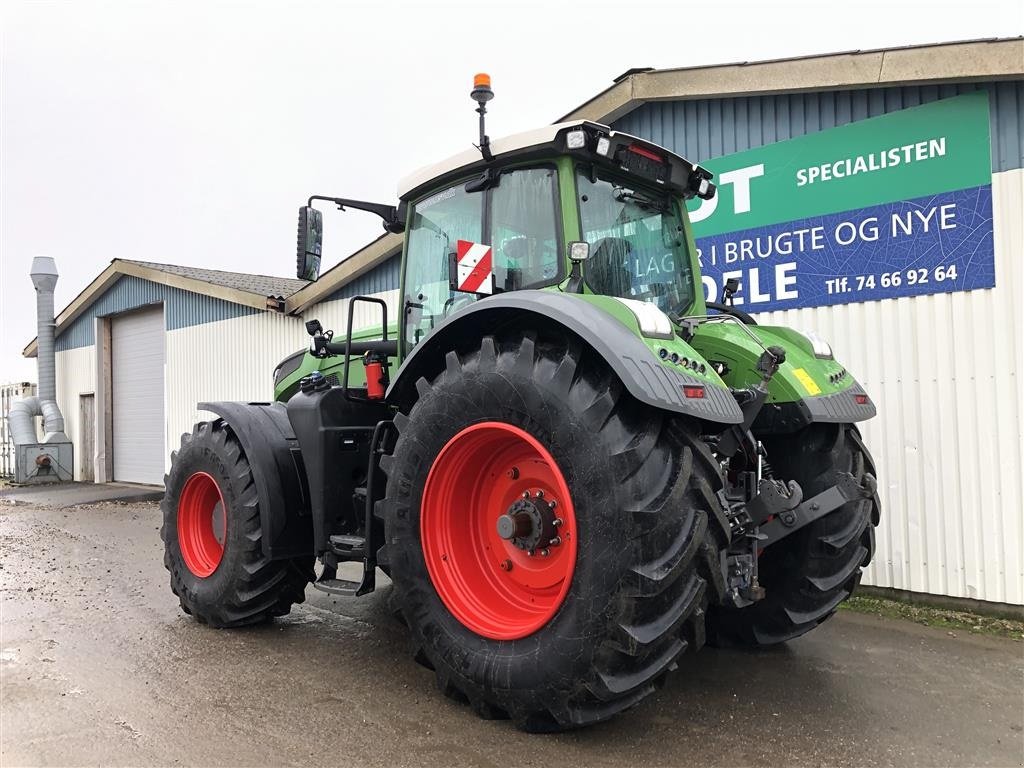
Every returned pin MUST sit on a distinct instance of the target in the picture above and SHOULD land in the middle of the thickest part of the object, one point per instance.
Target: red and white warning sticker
(474, 265)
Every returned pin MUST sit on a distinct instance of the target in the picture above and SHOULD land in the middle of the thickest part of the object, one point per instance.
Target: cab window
(524, 230)
(518, 217)
(438, 223)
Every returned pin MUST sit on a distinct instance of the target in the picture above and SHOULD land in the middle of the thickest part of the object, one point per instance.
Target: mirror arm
(389, 213)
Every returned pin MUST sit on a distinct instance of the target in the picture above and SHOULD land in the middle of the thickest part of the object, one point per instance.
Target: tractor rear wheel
(809, 573)
(212, 536)
(551, 540)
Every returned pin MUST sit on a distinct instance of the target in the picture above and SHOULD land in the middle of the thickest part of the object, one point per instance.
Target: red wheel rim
(202, 524)
(491, 585)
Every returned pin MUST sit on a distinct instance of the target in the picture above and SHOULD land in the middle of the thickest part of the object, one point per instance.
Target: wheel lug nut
(557, 522)
(530, 552)
(526, 494)
(514, 473)
(552, 503)
(506, 565)
(544, 552)
(540, 494)
(555, 541)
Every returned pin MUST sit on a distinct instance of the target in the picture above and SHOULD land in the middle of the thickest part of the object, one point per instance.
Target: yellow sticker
(807, 381)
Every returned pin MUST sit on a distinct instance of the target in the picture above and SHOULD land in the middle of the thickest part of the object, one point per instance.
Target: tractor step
(346, 588)
(348, 548)
(332, 585)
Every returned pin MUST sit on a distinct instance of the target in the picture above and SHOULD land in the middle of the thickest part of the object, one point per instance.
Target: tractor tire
(212, 537)
(809, 573)
(587, 627)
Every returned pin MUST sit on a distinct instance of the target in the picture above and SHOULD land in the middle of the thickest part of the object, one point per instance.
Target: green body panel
(802, 376)
(289, 385)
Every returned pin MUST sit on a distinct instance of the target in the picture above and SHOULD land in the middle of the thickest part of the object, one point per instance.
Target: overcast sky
(190, 133)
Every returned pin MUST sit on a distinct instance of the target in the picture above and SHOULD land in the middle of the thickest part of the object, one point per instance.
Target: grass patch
(937, 617)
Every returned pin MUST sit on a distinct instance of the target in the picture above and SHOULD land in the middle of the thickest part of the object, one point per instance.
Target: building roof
(257, 291)
(260, 285)
(960, 61)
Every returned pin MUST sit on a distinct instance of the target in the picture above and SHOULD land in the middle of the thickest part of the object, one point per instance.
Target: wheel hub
(530, 523)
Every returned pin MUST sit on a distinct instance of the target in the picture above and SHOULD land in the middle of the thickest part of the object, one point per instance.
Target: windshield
(637, 244)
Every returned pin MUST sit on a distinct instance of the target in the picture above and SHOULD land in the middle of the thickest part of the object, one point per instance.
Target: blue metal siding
(181, 309)
(703, 129)
(384, 277)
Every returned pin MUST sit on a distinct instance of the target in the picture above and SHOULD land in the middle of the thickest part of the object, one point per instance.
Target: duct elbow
(53, 423)
(21, 418)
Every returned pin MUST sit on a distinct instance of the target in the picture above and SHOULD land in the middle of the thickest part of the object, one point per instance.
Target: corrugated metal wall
(704, 129)
(384, 277)
(333, 314)
(945, 369)
(181, 309)
(230, 359)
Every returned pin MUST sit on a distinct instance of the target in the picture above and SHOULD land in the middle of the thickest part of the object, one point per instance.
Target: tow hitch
(845, 490)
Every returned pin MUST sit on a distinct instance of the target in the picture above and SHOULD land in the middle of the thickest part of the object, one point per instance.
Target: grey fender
(630, 359)
(270, 446)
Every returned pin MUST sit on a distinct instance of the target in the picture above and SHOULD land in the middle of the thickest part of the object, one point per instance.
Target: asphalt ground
(98, 666)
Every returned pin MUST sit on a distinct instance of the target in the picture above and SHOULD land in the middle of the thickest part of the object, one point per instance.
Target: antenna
(481, 94)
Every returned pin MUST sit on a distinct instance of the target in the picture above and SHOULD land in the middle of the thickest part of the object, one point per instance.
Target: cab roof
(426, 178)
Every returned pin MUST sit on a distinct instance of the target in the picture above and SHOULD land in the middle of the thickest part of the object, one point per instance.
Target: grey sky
(190, 133)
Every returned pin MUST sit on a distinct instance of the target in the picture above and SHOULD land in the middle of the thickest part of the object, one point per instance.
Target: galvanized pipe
(44, 278)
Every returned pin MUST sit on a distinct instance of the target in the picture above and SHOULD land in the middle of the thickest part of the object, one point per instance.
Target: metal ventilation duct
(52, 459)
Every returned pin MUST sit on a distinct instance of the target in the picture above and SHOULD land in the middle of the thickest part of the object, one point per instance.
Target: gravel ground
(98, 666)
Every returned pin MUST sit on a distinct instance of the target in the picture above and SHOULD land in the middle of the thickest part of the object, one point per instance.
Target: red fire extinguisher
(376, 365)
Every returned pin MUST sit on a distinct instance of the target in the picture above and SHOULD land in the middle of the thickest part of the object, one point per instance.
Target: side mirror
(310, 242)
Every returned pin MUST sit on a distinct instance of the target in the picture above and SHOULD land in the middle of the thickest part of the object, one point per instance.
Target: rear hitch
(845, 490)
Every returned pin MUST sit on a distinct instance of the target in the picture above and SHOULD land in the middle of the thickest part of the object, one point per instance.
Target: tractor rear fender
(273, 452)
(633, 360)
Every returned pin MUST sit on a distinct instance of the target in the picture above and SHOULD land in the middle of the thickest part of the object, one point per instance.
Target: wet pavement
(98, 666)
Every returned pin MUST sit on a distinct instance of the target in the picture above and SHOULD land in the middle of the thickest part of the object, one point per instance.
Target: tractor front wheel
(549, 537)
(809, 573)
(212, 536)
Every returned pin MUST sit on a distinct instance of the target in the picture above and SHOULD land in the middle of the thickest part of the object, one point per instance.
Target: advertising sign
(897, 205)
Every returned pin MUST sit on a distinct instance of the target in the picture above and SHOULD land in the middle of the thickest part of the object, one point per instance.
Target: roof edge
(963, 60)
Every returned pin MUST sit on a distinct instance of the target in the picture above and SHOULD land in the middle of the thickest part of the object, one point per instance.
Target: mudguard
(273, 452)
(643, 375)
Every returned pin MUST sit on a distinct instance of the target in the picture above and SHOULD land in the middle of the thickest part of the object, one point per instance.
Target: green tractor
(572, 468)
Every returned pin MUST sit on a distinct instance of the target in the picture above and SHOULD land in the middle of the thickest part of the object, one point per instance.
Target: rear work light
(861, 399)
(693, 391)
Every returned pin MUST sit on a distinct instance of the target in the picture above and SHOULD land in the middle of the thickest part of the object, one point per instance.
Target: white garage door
(137, 396)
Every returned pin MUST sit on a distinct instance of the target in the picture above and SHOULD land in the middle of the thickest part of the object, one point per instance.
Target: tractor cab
(574, 207)
(571, 208)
